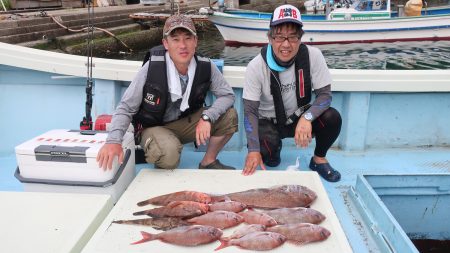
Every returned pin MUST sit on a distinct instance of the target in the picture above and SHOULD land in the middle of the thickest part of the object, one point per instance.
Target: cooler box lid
(68, 155)
(72, 145)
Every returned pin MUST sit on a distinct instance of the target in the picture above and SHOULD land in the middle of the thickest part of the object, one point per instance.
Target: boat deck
(350, 164)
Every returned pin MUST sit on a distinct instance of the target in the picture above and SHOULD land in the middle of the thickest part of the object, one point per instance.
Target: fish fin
(174, 204)
(223, 244)
(225, 238)
(119, 221)
(145, 238)
(296, 243)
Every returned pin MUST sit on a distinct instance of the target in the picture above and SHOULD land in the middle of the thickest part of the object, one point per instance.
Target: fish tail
(140, 212)
(143, 203)
(218, 198)
(134, 222)
(223, 244)
(145, 238)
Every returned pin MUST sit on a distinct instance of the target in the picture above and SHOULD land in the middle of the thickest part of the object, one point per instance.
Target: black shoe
(216, 165)
(325, 170)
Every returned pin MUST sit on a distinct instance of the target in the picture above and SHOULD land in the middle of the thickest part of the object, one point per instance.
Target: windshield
(370, 5)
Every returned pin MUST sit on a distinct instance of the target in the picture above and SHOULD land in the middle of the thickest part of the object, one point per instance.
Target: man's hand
(202, 132)
(252, 161)
(303, 133)
(107, 153)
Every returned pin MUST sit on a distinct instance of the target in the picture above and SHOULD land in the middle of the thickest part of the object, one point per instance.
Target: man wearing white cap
(166, 103)
(278, 99)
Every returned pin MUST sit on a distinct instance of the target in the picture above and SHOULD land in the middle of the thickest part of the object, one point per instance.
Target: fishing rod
(86, 123)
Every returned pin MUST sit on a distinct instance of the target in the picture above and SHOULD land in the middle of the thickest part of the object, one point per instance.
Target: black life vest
(302, 81)
(156, 90)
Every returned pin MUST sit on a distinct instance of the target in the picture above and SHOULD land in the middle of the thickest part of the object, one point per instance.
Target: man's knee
(227, 123)
(332, 117)
(162, 148)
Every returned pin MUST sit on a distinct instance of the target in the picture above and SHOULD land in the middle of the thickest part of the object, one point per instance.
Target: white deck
(149, 183)
(49, 222)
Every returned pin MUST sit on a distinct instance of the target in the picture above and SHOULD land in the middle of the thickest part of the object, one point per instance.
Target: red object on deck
(102, 120)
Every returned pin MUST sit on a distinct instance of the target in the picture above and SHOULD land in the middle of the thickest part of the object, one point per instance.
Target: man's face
(283, 49)
(181, 45)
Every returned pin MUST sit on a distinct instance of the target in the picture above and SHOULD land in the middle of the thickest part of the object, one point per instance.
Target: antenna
(86, 123)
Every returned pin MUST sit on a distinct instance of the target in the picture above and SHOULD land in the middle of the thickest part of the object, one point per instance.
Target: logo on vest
(287, 13)
(151, 99)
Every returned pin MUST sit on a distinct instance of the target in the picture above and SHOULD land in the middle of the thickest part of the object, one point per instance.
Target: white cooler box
(65, 161)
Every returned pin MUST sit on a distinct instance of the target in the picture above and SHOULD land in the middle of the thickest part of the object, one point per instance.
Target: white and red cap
(286, 13)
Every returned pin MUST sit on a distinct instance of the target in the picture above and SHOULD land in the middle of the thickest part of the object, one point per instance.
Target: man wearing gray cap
(277, 98)
(166, 103)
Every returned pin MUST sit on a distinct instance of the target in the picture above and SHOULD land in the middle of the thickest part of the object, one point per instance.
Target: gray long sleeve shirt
(132, 98)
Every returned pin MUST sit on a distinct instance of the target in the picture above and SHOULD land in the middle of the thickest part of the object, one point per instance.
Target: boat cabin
(362, 10)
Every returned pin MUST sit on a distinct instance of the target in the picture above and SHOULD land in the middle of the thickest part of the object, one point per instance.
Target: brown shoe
(216, 165)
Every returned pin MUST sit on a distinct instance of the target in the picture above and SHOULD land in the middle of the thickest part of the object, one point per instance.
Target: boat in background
(365, 22)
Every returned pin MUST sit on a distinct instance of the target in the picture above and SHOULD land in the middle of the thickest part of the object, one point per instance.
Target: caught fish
(295, 215)
(218, 219)
(164, 223)
(275, 197)
(184, 209)
(254, 217)
(255, 241)
(302, 233)
(230, 206)
(184, 236)
(238, 233)
(177, 196)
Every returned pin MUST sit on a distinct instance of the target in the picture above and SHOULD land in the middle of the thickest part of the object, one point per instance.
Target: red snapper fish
(255, 241)
(185, 236)
(254, 217)
(183, 209)
(302, 233)
(295, 215)
(274, 197)
(240, 232)
(177, 196)
(218, 219)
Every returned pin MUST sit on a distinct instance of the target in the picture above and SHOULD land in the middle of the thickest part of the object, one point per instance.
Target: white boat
(345, 25)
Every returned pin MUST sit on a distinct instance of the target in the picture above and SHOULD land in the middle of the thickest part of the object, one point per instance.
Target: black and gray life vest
(156, 90)
(302, 81)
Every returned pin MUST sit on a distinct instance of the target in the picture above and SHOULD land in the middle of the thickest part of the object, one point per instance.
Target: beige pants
(163, 144)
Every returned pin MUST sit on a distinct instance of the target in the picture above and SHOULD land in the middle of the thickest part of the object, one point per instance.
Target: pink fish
(218, 219)
(240, 232)
(184, 236)
(231, 206)
(255, 241)
(177, 196)
(254, 217)
(275, 197)
(302, 233)
(184, 209)
(295, 215)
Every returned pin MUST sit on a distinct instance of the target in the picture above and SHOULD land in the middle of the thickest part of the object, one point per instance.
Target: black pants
(325, 129)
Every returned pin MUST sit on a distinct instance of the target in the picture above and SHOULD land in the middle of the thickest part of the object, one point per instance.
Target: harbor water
(392, 56)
